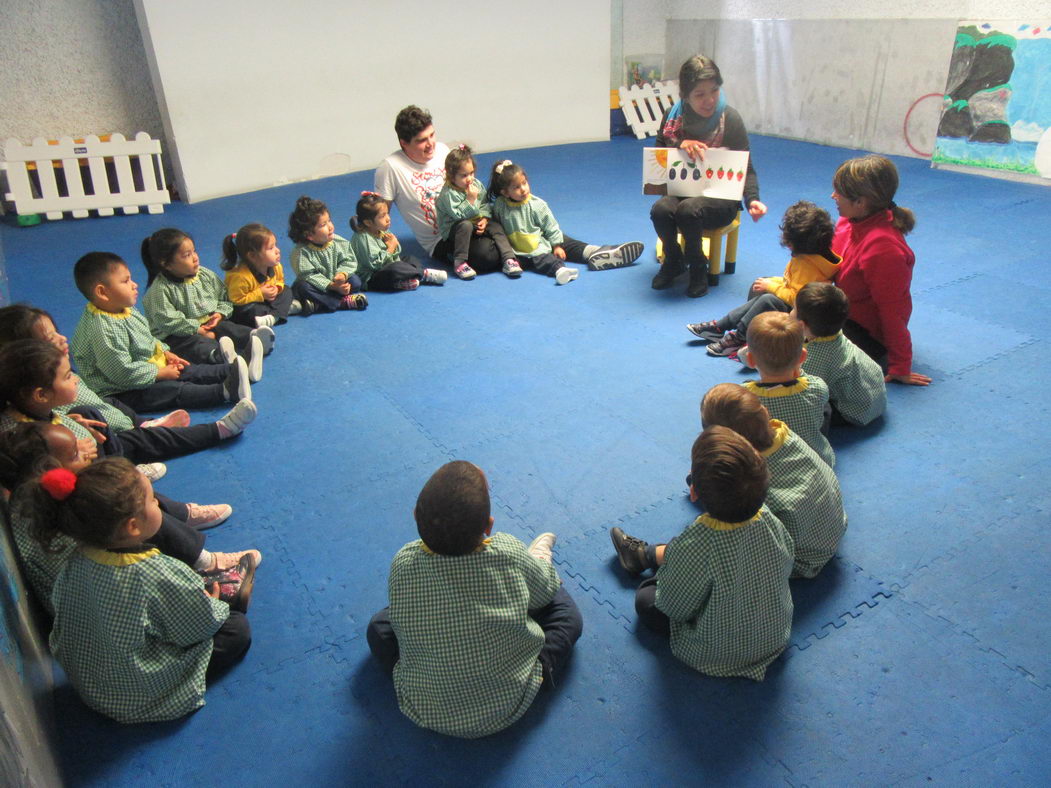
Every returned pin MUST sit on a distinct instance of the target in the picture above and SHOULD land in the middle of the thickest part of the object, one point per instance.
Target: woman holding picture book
(700, 120)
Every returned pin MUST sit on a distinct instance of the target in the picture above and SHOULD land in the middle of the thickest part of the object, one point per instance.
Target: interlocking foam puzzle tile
(1003, 302)
(937, 347)
(992, 587)
(894, 694)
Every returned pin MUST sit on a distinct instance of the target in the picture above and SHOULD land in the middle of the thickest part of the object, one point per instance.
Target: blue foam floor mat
(917, 656)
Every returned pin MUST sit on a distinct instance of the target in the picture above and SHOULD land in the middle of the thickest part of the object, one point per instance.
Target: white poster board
(670, 171)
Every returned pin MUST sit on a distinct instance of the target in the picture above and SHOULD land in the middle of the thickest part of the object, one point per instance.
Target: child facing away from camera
(477, 621)
(119, 428)
(380, 262)
(720, 588)
(806, 231)
(775, 349)
(255, 280)
(187, 307)
(325, 266)
(465, 220)
(30, 449)
(857, 388)
(535, 236)
(804, 492)
(118, 355)
(137, 632)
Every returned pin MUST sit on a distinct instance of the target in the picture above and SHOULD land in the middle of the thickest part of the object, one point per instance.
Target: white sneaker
(615, 256)
(541, 547)
(226, 347)
(265, 320)
(255, 359)
(153, 470)
(267, 337)
(565, 275)
(295, 307)
(237, 385)
(238, 417)
(512, 268)
(434, 276)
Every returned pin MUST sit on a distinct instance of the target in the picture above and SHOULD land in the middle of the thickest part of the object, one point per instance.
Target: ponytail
(904, 218)
(229, 260)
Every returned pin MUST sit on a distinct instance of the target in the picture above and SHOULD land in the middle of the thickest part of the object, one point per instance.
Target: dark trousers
(646, 607)
(485, 252)
(152, 444)
(574, 249)
(199, 349)
(560, 619)
(178, 540)
(546, 264)
(245, 314)
(173, 507)
(198, 386)
(229, 644)
(691, 216)
(388, 277)
(869, 345)
(323, 300)
(739, 317)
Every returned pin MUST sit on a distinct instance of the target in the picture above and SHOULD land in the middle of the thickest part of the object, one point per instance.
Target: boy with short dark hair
(118, 356)
(857, 387)
(476, 620)
(804, 492)
(721, 586)
(775, 350)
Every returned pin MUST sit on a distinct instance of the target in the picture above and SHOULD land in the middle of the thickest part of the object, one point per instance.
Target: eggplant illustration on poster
(670, 171)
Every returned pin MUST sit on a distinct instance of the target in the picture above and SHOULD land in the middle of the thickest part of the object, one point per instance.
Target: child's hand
(480, 224)
(175, 361)
(911, 379)
(89, 450)
(212, 321)
(756, 210)
(170, 372)
(339, 278)
(269, 292)
(204, 332)
(694, 149)
(212, 590)
(559, 252)
(760, 286)
(91, 425)
(392, 242)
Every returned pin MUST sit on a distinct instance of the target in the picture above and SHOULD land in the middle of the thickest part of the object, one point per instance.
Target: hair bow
(501, 165)
(59, 483)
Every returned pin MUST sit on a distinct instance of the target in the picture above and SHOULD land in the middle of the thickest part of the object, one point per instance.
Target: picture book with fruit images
(670, 171)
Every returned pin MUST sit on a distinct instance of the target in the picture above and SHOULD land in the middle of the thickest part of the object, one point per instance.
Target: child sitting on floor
(804, 492)
(255, 281)
(857, 387)
(721, 586)
(465, 218)
(30, 449)
(535, 235)
(376, 248)
(117, 355)
(806, 231)
(137, 632)
(477, 621)
(325, 266)
(187, 308)
(775, 349)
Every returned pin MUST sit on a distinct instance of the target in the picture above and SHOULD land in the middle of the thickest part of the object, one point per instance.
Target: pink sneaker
(408, 284)
(207, 516)
(177, 418)
(464, 271)
(354, 301)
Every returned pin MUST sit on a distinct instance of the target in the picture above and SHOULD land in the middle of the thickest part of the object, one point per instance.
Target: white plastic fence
(644, 105)
(80, 176)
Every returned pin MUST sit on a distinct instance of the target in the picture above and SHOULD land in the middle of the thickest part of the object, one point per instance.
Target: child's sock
(239, 416)
(268, 320)
(204, 561)
(589, 250)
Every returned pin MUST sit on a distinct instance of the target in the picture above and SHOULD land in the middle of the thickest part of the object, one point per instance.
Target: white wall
(259, 93)
(1036, 10)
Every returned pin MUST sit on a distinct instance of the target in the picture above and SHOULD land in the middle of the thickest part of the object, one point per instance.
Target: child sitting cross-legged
(775, 349)
(807, 232)
(325, 265)
(720, 588)
(117, 355)
(804, 492)
(477, 621)
(857, 387)
(136, 631)
(380, 262)
(255, 280)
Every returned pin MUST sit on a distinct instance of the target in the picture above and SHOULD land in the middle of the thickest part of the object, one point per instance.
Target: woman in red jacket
(877, 263)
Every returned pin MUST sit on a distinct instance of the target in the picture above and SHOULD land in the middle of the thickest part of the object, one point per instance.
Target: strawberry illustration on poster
(670, 171)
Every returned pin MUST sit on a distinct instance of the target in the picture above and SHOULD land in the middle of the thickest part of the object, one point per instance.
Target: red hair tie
(369, 194)
(59, 483)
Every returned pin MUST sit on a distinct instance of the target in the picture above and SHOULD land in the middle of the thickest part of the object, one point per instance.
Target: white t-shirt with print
(414, 188)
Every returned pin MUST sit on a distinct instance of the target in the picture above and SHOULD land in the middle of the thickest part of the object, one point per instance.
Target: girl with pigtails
(255, 281)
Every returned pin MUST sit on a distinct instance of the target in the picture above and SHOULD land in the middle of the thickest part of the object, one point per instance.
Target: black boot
(698, 279)
(671, 269)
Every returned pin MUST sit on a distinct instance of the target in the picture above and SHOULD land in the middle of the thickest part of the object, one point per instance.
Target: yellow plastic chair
(712, 244)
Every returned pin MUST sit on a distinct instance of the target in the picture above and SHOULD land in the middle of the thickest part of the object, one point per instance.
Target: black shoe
(307, 308)
(698, 281)
(631, 552)
(666, 277)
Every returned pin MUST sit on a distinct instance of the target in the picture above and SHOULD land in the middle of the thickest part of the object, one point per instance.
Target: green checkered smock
(467, 647)
(11, 418)
(41, 566)
(804, 495)
(133, 631)
(453, 206)
(724, 587)
(371, 254)
(117, 419)
(115, 351)
(178, 308)
(801, 405)
(318, 265)
(855, 382)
